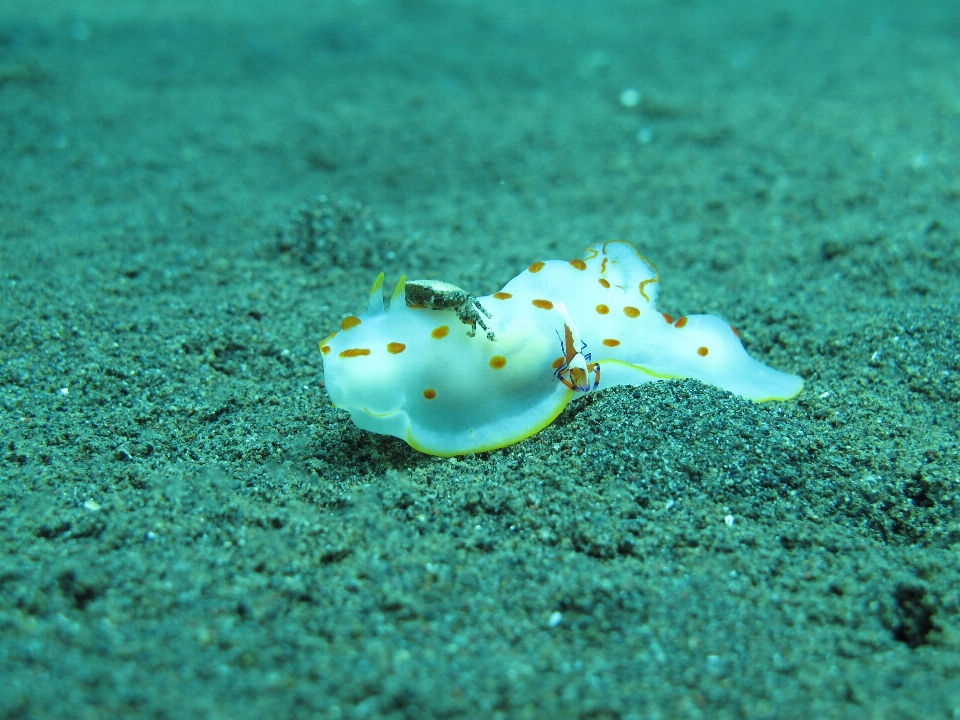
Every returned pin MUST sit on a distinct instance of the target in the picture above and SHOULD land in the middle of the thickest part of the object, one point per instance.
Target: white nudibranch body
(561, 328)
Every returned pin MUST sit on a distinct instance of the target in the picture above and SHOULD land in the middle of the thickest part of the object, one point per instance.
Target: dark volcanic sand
(189, 530)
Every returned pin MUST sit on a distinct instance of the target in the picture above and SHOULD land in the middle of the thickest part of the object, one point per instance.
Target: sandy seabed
(193, 194)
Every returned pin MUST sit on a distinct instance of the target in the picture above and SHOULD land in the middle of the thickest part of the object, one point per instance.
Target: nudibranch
(562, 328)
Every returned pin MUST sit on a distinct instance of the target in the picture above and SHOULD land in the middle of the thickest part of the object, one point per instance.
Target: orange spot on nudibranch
(579, 264)
(325, 349)
(536, 267)
(543, 304)
(497, 362)
(502, 295)
(702, 351)
(355, 352)
(602, 309)
(440, 332)
(611, 342)
(631, 312)
(604, 282)
(349, 322)
(395, 348)
(735, 331)
(430, 393)
(558, 363)
(668, 318)
(680, 322)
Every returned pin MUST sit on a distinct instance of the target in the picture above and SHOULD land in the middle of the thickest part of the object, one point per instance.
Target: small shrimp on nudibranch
(574, 369)
(562, 328)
